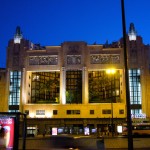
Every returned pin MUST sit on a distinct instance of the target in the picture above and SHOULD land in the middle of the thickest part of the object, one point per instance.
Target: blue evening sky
(51, 22)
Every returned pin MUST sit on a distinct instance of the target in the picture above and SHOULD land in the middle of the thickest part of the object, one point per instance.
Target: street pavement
(122, 143)
(83, 143)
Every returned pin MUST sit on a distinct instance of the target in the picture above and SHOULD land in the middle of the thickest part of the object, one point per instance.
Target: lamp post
(111, 72)
(129, 121)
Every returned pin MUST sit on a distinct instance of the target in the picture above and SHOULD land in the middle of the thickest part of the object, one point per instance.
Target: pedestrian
(44, 132)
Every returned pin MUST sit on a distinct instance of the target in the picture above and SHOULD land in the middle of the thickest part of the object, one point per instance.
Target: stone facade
(34, 65)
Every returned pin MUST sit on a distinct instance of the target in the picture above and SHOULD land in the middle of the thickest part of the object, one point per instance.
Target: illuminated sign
(86, 131)
(142, 115)
(54, 131)
(119, 129)
(7, 132)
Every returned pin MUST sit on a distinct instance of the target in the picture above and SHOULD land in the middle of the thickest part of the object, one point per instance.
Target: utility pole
(129, 121)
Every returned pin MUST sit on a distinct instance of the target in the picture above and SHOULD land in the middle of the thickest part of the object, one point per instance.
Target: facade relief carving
(73, 59)
(43, 60)
(105, 59)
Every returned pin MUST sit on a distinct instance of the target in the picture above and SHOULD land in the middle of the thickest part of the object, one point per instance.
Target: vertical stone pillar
(85, 86)
(22, 88)
(7, 90)
(63, 86)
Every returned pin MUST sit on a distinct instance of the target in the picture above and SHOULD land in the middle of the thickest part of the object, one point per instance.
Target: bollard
(100, 144)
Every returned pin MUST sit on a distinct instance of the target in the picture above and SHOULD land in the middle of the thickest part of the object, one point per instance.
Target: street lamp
(129, 121)
(111, 72)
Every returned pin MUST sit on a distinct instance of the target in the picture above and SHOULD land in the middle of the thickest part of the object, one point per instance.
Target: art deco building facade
(69, 87)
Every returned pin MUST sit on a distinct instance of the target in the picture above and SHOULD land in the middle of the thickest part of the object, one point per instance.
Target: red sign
(6, 132)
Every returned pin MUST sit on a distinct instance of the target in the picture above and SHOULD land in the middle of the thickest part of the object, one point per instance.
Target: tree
(69, 96)
(49, 86)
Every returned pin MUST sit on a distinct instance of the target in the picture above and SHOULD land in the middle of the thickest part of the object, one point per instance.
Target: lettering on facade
(73, 59)
(43, 60)
(105, 59)
(142, 115)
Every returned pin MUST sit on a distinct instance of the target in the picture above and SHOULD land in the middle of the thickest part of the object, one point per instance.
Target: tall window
(45, 87)
(104, 88)
(135, 86)
(74, 86)
(14, 91)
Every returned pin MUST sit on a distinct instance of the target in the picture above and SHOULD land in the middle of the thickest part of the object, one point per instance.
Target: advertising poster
(6, 133)
(86, 131)
(54, 131)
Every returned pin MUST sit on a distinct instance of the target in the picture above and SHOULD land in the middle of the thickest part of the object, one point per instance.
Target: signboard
(6, 132)
(9, 130)
(86, 131)
(119, 129)
(142, 115)
(54, 131)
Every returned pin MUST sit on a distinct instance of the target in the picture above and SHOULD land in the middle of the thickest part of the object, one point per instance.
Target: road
(83, 143)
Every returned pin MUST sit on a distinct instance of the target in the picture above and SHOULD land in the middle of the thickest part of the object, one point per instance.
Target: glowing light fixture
(31, 115)
(111, 71)
(48, 115)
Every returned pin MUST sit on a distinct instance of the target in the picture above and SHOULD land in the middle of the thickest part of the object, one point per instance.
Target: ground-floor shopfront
(76, 126)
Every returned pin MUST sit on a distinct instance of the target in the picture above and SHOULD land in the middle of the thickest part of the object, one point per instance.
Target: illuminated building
(3, 102)
(67, 86)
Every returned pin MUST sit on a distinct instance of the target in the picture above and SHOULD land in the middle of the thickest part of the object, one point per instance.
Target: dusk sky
(51, 22)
